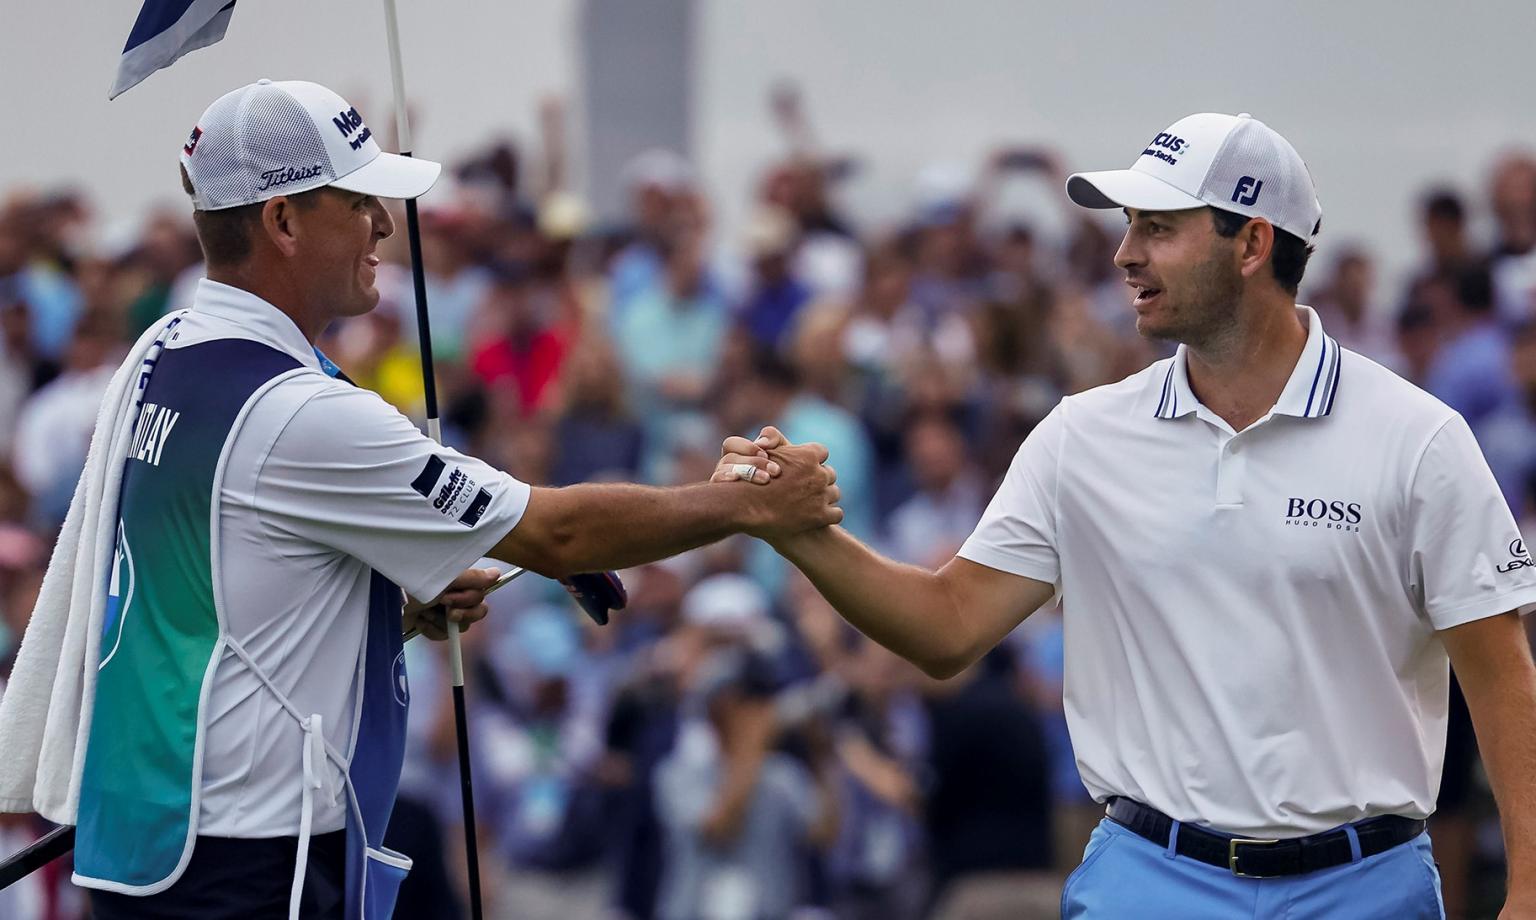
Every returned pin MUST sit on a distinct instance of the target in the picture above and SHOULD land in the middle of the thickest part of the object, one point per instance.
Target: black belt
(1247, 857)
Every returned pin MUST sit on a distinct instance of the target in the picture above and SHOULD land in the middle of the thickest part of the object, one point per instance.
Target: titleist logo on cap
(274, 138)
(275, 177)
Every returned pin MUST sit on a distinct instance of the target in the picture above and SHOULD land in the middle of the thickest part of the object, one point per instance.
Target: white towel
(45, 713)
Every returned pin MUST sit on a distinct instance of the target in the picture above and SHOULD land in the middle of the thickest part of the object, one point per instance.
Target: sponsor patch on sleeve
(452, 491)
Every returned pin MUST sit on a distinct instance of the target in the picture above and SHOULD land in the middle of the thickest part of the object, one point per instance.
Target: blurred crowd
(727, 749)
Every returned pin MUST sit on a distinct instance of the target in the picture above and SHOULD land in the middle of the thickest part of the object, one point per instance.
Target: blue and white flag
(164, 31)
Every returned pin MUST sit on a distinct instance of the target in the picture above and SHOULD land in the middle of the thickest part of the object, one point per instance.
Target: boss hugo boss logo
(273, 178)
(1247, 191)
(1164, 146)
(1317, 512)
(349, 121)
(1521, 559)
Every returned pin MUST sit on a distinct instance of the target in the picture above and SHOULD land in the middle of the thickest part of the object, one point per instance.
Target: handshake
(792, 492)
(797, 491)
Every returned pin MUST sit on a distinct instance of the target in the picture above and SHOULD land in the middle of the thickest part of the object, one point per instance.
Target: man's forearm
(902, 607)
(1500, 687)
(596, 527)
(1506, 736)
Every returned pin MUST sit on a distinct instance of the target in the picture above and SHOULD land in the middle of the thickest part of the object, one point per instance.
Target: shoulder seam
(1413, 481)
(1418, 459)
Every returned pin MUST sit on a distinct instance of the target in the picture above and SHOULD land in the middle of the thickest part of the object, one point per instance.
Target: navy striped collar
(1310, 392)
(1175, 397)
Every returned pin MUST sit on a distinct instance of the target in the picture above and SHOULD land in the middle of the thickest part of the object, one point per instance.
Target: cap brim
(390, 175)
(1128, 188)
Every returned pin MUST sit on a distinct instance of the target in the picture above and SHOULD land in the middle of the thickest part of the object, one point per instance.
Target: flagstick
(435, 429)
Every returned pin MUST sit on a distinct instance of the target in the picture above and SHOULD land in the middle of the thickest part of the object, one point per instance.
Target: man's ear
(280, 225)
(1255, 242)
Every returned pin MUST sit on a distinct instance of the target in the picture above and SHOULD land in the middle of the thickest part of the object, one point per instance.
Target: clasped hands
(798, 489)
(797, 493)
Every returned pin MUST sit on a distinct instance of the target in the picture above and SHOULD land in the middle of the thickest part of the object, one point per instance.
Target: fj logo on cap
(191, 144)
(349, 121)
(1247, 191)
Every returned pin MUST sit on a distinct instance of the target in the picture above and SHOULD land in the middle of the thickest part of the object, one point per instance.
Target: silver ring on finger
(744, 471)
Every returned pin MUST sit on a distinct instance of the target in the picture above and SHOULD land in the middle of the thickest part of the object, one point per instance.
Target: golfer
(1267, 548)
(245, 737)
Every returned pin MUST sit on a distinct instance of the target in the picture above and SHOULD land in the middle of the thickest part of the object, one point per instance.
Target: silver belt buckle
(1232, 854)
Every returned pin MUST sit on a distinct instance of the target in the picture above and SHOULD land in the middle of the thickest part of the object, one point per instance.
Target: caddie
(212, 686)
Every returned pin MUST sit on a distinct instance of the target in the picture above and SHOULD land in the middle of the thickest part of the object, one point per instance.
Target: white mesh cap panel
(213, 164)
(1235, 163)
(1259, 174)
(270, 139)
(256, 142)
(282, 144)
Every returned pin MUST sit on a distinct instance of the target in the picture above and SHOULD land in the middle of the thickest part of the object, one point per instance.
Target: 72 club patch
(452, 491)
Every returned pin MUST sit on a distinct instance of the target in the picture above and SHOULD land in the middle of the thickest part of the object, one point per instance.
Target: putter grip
(597, 593)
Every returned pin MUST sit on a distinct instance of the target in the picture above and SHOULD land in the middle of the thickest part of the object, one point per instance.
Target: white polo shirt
(1250, 617)
(318, 489)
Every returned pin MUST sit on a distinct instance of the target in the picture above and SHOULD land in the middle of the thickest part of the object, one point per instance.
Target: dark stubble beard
(1209, 303)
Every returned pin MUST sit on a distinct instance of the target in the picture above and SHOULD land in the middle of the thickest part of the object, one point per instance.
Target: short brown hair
(1289, 255)
(225, 234)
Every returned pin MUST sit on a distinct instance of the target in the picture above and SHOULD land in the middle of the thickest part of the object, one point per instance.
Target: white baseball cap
(659, 167)
(280, 138)
(726, 601)
(1231, 162)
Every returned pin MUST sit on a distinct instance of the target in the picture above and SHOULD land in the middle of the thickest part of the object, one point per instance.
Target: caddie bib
(164, 636)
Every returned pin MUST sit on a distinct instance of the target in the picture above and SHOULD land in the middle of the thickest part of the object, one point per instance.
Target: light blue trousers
(1125, 876)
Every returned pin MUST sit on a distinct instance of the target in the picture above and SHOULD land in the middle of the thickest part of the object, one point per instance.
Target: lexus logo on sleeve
(1519, 558)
